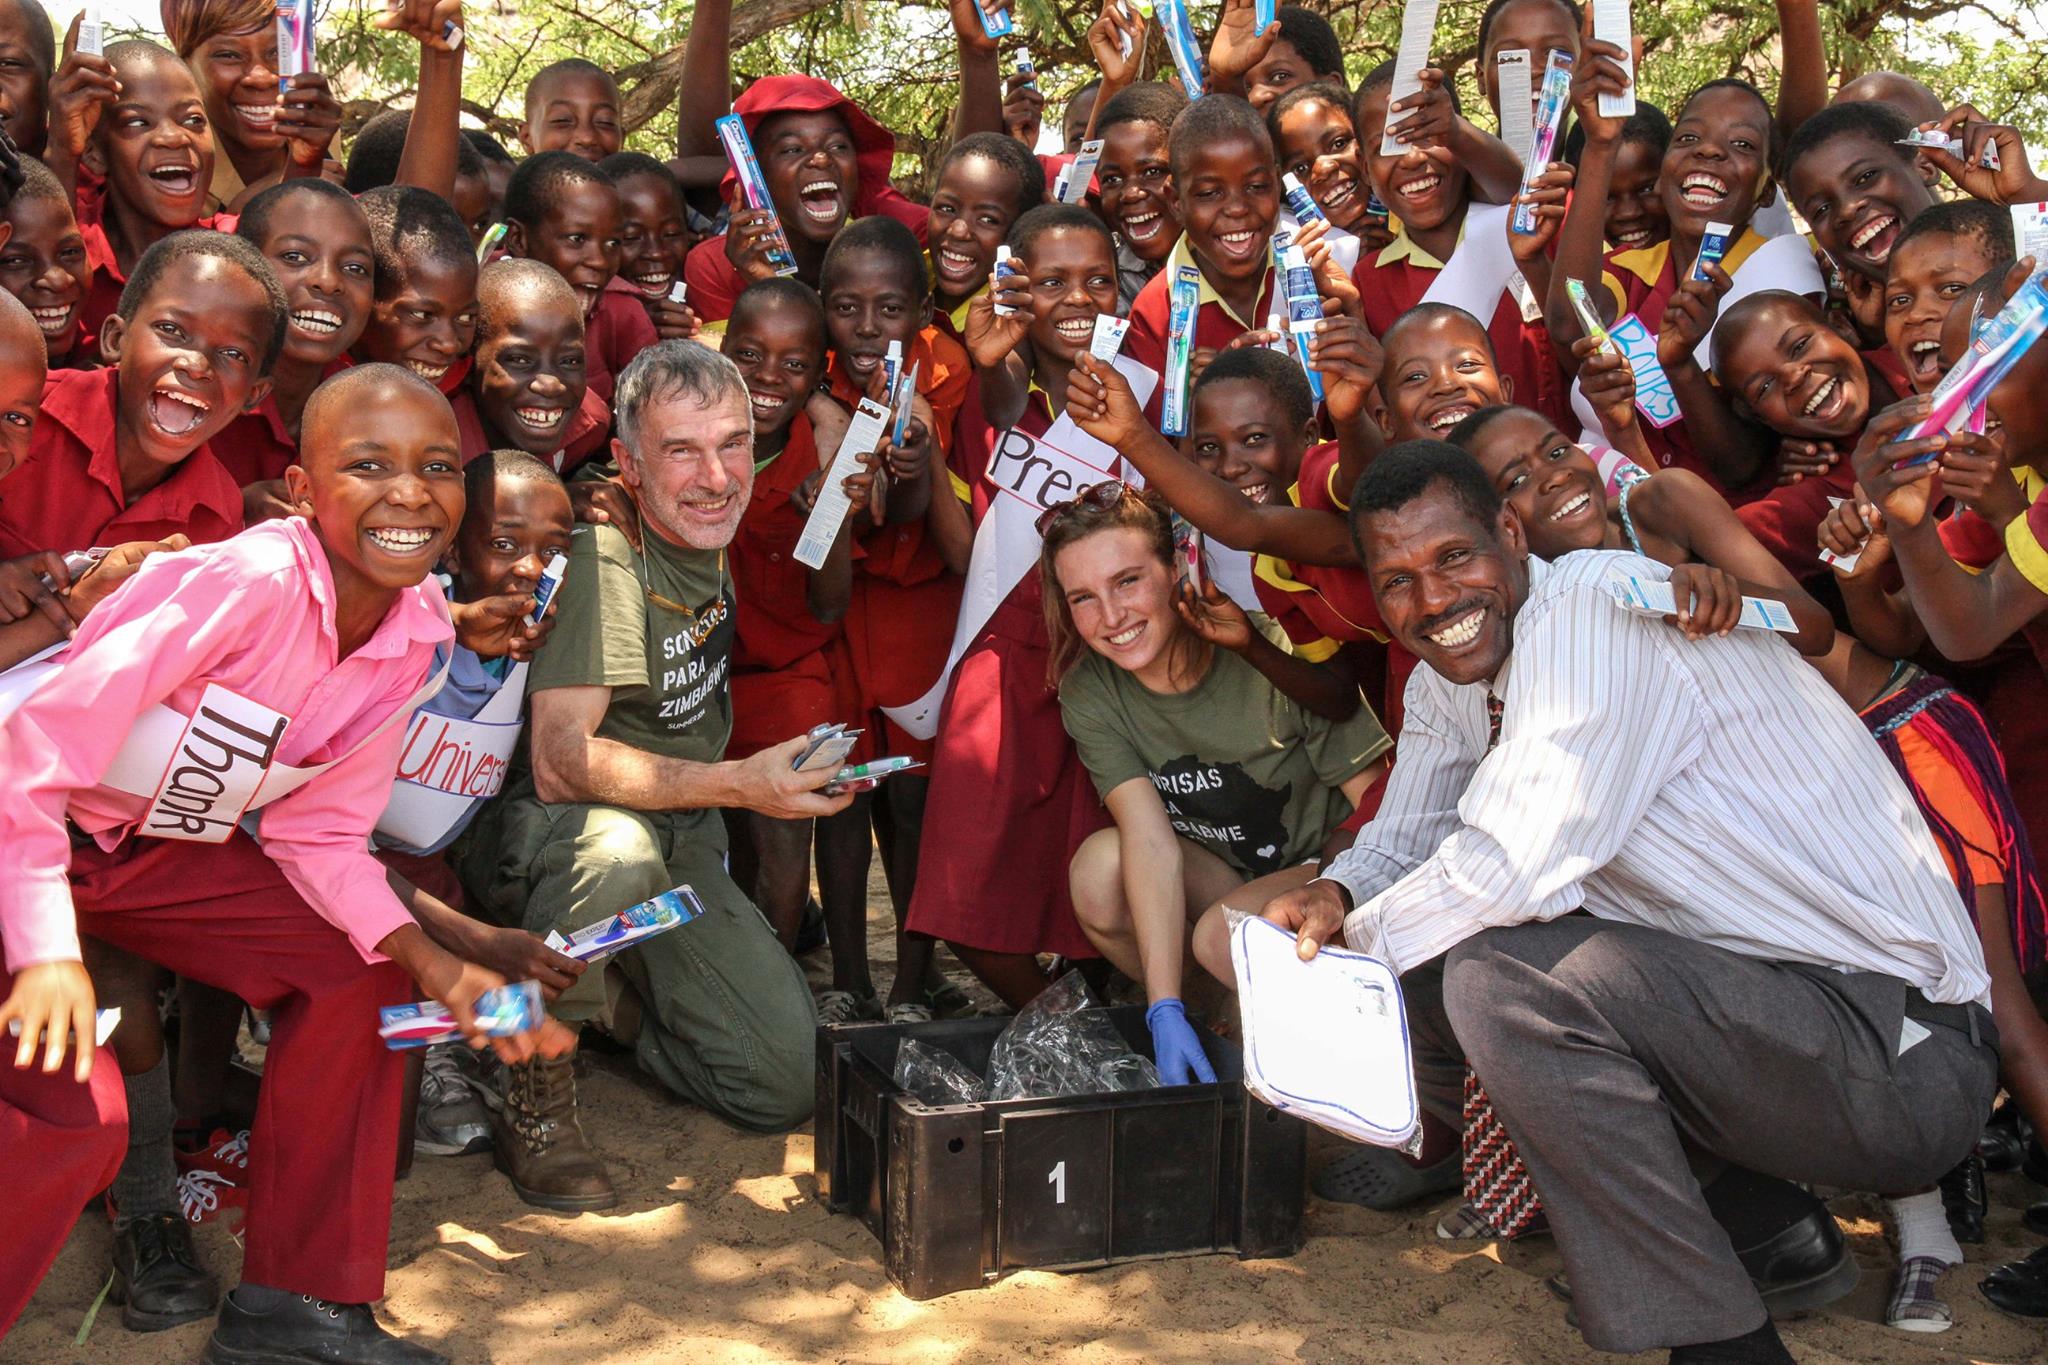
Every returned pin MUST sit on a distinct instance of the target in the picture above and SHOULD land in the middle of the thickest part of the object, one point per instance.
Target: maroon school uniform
(1009, 801)
(1394, 279)
(619, 330)
(257, 447)
(1786, 520)
(103, 288)
(67, 494)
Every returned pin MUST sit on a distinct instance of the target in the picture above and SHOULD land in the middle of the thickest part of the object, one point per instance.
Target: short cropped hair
(1310, 34)
(481, 474)
(41, 37)
(254, 224)
(40, 182)
(1210, 120)
(568, 66)
(409, 223)
(1491, 14)
(1989, 224)
(1410, 469)
(1867, 119)
(1381, 77)
(487, 147)
(507, 288)
(666, 370)
(1153, 102)
(778, 289)
(1026, 231)
(1328, 92)
(222, 246)
(1277, 372)
(625, 165)
(883, 236)
(541, 180)
(1013, 156)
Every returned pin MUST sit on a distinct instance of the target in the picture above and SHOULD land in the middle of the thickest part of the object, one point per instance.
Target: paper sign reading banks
(1655, 398)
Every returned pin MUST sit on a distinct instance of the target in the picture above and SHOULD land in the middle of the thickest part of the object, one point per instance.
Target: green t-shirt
(1245, 771)
(655, 627)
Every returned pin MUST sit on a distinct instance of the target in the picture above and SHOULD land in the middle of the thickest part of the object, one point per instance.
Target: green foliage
(898, 60)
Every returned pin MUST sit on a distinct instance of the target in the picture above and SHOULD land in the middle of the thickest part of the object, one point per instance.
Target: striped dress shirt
(1715, 789)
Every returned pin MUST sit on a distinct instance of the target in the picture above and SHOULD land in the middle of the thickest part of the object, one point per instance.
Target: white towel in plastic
(1325, 1039)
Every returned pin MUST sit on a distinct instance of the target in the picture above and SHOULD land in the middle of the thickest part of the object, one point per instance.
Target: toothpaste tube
(595, 942)
(104, 1022)
(1965, 389)
(2030, 230)
(1950, 143)
(1304, 309)
(1181, 42)
(677, 291)
(1557, 93)
(1300, 202)
(739, 149)
(1713, 246)
(892, 365)
(500, 1013)
(1180, 349)
(995, 277)
(1024, 66)
(1655, 597)
(997, 25)
(294, 38)
(1076, 177)
(1589, 316)
(1839, 563)
(92, 33)
(544, 591)
(1108, 340)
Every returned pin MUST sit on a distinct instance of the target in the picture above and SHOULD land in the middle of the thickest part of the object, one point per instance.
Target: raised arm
(1327, 692)
(1803, 71)
(1581, 240)
(433, 137)
(706, 94)
(981, 79)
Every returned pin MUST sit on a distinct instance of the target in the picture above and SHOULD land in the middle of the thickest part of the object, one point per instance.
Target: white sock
(1923, 1228)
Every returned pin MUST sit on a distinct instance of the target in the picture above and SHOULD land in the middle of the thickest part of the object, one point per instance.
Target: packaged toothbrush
(739, 149)
(1181, 42)
(1180, 349)
(499, 1013)
(1589, 316)
(595, 942)
(1517, 85)
(1557, 94)
(1612, 23)
(294, 38)
(1965, 389)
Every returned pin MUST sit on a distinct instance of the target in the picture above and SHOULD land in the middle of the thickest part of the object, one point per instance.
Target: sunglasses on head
(1104, 495)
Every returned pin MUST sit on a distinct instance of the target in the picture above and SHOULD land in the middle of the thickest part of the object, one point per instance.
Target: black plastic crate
(962, 1194)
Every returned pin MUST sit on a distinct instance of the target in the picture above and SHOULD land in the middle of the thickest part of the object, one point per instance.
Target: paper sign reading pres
(1655, 398)
(215, 769)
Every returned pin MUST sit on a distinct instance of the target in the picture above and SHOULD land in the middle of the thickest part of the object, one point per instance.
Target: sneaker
(452, 1120)
(301, 1327)
(223, 1154)
(907, 1013)
(205, 1195)
(844, 1007)
(158, 1278)
(540, 1145)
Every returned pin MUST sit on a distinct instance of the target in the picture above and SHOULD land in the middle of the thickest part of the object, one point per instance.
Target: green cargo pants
(728, 1022)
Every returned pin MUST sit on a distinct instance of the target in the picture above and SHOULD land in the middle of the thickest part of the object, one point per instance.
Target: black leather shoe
(158, 1279)
(2002, 1147)
(1964, 1200)
(2020, 1287)
(2036, 1218)
(1805, 1265)
(305, 1328)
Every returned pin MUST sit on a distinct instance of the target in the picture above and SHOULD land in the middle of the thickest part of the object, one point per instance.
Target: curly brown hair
(1135, 509)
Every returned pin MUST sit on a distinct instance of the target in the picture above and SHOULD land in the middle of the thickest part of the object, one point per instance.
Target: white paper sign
(215, 769)
(1517, 85)
(1418, 29)
(821, 528)
(1612, 24)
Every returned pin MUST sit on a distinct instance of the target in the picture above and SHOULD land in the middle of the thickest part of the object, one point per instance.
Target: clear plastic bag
(1061, 1044)
(936, 1077)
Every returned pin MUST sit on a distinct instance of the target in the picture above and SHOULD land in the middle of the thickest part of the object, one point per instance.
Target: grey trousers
(1618, 1055)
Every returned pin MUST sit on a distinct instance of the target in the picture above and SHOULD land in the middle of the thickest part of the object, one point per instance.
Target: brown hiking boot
(541, 1146)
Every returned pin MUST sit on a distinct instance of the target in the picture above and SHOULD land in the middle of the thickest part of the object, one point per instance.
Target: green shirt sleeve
(600, 635)
(1340, 750)
(1088, 710)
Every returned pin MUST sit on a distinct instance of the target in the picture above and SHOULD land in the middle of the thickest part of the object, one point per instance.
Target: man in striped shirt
(1774, 973)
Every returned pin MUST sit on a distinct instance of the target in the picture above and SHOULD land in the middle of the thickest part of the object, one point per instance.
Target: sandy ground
(721, 1251)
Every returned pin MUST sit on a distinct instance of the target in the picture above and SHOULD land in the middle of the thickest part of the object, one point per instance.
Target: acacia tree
(897, 59)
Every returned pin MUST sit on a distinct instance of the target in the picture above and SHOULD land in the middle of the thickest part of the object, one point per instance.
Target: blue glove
(1175, 1049)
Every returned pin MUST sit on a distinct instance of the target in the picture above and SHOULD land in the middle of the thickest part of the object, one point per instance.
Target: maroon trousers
(324, 1144)
(60, 1144)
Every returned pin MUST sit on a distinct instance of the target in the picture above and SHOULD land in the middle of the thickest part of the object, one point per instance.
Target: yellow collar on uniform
(1183, 254)
(1647, 263)
(1406, 248)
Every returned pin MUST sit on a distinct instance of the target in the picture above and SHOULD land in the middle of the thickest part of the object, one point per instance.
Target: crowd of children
(289, 438)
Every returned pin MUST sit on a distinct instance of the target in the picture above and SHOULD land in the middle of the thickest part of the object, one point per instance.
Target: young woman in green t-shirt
(1202, 737)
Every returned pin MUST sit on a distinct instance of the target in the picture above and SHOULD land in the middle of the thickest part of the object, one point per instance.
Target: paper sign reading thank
(821, 528)
(215, 768)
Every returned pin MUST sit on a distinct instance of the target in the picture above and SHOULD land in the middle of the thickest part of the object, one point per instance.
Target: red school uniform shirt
(67, 494)
(1641, 281)
(1322, 607)
(103, 288)
(619, 330)
(902, 553)
(1216, 322)
(776, 628)
(256, 446)
(1394, 279)
(586, 432)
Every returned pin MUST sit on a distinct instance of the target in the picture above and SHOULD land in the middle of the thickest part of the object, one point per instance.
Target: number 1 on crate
(1057, 1178)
